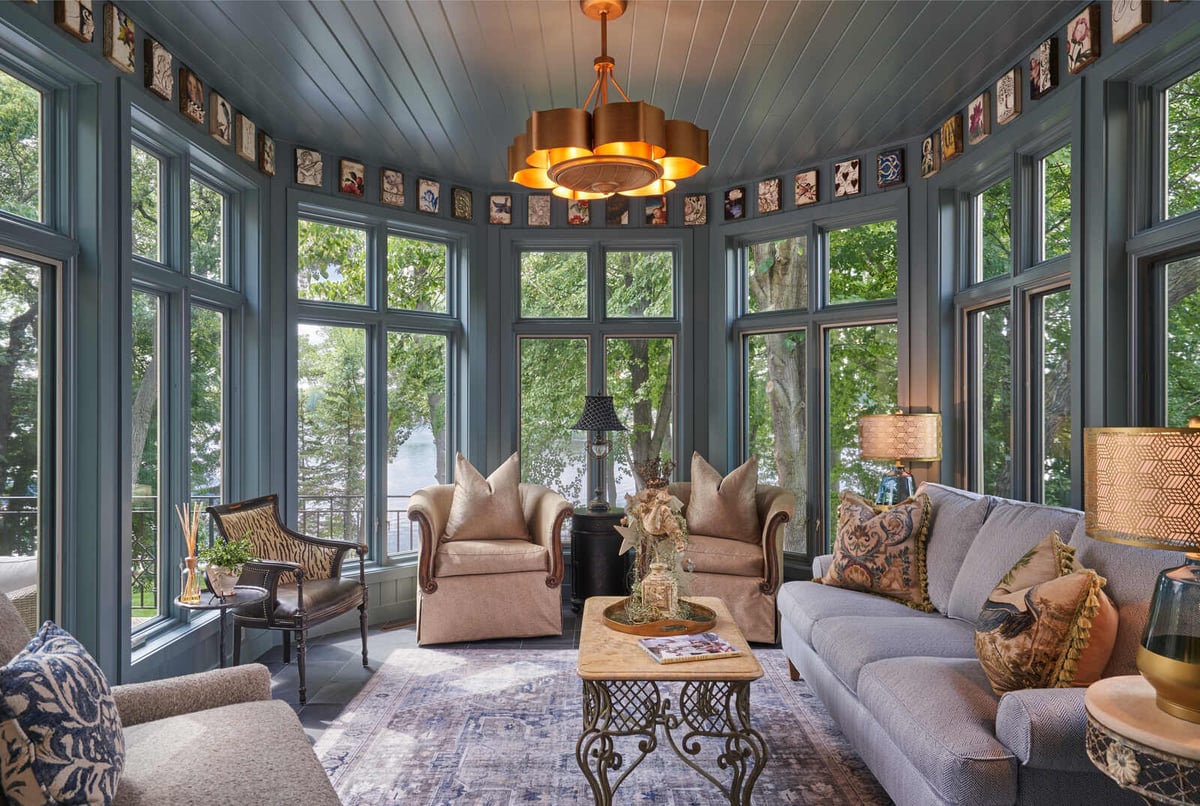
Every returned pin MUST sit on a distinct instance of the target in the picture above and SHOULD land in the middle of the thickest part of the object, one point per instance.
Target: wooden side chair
(302, 573)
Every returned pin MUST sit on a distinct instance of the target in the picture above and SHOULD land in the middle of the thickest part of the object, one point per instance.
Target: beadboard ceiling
(442, 87)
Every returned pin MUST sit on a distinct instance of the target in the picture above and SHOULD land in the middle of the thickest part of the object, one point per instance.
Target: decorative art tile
(806, 187)
(462, 204)
(735, 204)
(769, 192)
(1008, 96)
(310, 168)
(429, 196)
(952, 133)
(157, 65)
(1043, 68)
(120, 38)
(191, 96)
(351, 178)
(500, 208)
(616, 210)
(244, 137)
(538, 210)
(220, 122)
(579, 213)
(890, 168)
(391, 187)
(979, 121)
(1129, 17)
(931, 155)
(1083, 39)
(846, 178)
(76, 18)
(656, 211)
(695, 210)
(266, 153)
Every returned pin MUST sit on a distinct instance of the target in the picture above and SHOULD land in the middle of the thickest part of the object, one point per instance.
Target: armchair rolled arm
(776, 506)
(1045, 728)
(545, 512)
(159, 699)
(429, 508)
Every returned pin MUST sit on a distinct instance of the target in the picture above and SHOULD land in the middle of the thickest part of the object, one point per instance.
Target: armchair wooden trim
(777, 517)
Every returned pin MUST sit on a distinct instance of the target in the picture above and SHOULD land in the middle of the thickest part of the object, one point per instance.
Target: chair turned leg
(237, 643)
(793, 672)
(287, 646)
(300, 648)
(362, 624)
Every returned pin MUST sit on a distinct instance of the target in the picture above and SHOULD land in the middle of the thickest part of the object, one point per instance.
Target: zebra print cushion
(60, 734)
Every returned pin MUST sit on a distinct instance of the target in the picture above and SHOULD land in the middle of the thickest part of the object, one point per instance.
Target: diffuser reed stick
(189, 521)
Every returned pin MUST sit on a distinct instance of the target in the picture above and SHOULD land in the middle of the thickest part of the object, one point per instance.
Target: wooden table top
(605, 654)
(1125, 705)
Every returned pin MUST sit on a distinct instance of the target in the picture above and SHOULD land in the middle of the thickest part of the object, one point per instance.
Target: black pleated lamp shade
(598, 415)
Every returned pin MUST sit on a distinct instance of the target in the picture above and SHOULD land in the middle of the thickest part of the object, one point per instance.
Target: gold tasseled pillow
(882, 550)
(486, 509)
(1047, 624)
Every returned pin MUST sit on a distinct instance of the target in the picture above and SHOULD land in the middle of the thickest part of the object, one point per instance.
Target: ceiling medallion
(622, 147)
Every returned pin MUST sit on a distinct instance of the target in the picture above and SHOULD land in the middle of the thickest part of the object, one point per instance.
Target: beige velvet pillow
(486, 509)
(724, 507)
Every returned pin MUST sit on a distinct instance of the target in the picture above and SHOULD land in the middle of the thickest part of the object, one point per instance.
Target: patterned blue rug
(498, 728)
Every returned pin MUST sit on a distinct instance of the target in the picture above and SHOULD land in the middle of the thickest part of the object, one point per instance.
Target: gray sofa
(907, 690)
(214, 738)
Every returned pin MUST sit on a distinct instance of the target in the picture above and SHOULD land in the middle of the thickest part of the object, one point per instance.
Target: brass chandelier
(621, 147)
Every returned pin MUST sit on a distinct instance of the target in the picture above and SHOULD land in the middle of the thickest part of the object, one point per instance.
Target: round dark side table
(596, 567)
(242, 595)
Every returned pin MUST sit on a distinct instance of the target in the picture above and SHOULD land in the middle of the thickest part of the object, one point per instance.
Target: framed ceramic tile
(952, 134)
(1043, 68)
(889, 168)
(695, 210)
(579, 212)
(846, 178)
(352, 179)
(75, 17)
(191, 96)
(120, 39)
(931, 155)
(245, 137)
(538, 210)
(220, 119)
(769, 191)
(159, 73)
(500, 208)
(391, 187)
(806, 187)
(1083, 39)
(1008, 96)
(310, 168)
(656, 211)
(735, 204)
(1129, 17)
(266, 153)
(979, 119)
(462, 206)
(616, 210)
(429, 196)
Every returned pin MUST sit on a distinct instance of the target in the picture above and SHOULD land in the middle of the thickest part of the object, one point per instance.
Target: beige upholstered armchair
(489, 588)
(745, 575)
(302, 573)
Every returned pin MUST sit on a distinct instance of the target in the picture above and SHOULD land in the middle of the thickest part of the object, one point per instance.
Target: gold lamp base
(1176, 682)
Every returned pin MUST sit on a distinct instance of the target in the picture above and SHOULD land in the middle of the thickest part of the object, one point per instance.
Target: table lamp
(599, 417)
(897, 437)
(1142, 488)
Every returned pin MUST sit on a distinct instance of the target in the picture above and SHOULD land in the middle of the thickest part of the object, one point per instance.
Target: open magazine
(680, 648)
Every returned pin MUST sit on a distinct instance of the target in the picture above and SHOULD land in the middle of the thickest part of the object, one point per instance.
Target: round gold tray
(702, 620)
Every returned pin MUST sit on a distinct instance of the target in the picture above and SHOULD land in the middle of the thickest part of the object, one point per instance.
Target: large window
(22, 148)
(1182, 146)
(1182, 340)
(990, 351)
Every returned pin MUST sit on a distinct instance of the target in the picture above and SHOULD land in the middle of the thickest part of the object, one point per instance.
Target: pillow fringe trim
(1080, 634)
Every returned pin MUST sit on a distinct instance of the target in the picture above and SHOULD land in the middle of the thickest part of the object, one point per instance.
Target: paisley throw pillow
(59, 728)
(882, 550)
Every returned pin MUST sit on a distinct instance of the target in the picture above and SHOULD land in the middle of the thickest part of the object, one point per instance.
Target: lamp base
(1176, 681)
(896, 485)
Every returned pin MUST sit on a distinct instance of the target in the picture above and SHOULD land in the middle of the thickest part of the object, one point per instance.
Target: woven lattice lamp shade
(598, 415)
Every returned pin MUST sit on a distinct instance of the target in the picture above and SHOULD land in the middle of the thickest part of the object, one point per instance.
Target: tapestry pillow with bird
(1047, 623)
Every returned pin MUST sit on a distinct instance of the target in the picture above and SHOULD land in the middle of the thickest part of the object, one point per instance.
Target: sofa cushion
(724, 507)
(955, 519)
(848, 643)
(484, 509)
(1011, 529)
(803, 604)
(941, 712)
(882, 551)
(717, 555)
(59, 725)
(465, 557)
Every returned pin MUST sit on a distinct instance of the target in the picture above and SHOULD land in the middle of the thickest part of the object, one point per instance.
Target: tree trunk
(145, 404)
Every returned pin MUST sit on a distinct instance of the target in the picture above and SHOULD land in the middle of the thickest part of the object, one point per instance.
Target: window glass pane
(993, 231)
(1056, 397)
(993, 407)
(1183, 146)
(146, 556)
(863, 369)
(207, 222)
(776, 419)
(640, 377)
(777, 275)
(145, 192)
(1056, 203)
(20, 428)
(331, 423)
(417, 445)
(640, 283)
(20, 148)
(416, 274)
(553, 385)
(554, 284)
(1183, 341)
(331, 262)
(207, 405)
(862, 262)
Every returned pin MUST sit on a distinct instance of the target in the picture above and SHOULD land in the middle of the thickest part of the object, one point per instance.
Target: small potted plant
(225, 560)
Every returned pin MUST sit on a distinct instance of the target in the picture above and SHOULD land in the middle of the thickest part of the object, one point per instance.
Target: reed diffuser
(189, 521)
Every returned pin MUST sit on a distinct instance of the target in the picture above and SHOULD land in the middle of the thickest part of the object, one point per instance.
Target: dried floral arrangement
(654, 527)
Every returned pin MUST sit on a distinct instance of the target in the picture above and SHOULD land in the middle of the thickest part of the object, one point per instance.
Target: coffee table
(622, 698)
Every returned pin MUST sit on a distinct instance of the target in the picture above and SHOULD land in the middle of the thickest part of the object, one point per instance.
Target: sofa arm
(820, 565)
(1045, 727)
(159, 699)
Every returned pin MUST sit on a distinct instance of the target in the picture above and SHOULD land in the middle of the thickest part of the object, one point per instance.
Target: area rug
(498, 728)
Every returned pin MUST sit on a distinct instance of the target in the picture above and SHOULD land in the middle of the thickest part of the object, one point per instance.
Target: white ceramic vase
(221, 579)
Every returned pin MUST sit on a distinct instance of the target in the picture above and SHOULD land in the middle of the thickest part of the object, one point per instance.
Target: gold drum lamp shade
(626, 147)
(1142, 488)
(899, 437)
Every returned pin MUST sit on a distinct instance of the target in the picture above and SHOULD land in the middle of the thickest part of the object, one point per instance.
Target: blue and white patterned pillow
(60, 734)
